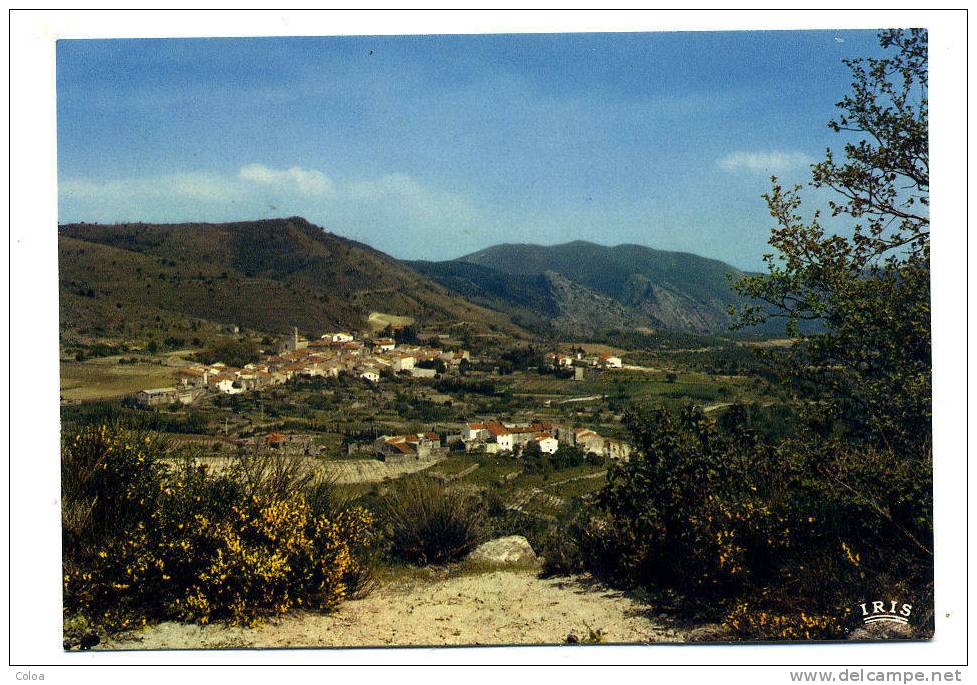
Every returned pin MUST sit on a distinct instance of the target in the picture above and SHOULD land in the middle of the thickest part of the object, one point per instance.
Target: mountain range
(270, 275)
(583, 287)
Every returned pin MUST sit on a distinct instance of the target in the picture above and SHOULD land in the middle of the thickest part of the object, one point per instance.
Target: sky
(432, 147)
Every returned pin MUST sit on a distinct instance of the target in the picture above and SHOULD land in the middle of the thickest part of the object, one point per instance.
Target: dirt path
(496, 607)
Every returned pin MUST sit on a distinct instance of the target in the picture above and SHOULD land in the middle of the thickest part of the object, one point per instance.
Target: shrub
(430, 524)
(560, 552)
(231, 351)
(147, 540)
(686, 510)
(718, 515)
(750, 623)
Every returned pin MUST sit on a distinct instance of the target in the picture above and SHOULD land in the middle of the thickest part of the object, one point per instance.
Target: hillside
(270, 275)
(542, 302)
(654, 288)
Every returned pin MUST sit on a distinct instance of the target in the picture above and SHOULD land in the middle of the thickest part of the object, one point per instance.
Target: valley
(276, 343)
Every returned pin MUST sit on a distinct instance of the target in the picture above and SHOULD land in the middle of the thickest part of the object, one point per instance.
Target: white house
(559, 360)
(547, 443)
(610, 361)
(383, 344)
(503, 438)
(473, 431)
(402, 362)
(370, 374)
(229, 385)
(338, 337)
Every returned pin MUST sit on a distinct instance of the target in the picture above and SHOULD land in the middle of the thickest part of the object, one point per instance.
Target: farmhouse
(495, 436)
(155, 397)
(610, 361)
(592, 442)
(400, 361)
(419, 445)
(193, 376)
(370, 374)
(559, 360)
(547, 443)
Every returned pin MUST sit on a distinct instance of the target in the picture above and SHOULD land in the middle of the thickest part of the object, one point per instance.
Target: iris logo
(880, 612)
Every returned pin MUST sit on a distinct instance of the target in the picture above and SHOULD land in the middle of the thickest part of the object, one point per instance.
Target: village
(369, 359)
(500, 438)
(334, 354)
(329, 356)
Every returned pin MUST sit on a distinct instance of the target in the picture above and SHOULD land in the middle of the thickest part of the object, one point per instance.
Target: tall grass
(431, 524)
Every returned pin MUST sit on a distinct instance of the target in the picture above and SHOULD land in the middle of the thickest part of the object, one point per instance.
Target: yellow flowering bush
(685, 512)
(715, 515)
(751, 623)
(145, 541)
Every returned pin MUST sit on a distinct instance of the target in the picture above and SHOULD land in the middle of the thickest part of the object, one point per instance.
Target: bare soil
(373, 470)
(495, 607)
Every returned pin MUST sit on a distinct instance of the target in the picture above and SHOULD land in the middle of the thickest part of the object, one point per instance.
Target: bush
(750, 623)
(696, 509)
(560, 552)
(718, 515)
(430, 524)
(145, 540)
(231, 351)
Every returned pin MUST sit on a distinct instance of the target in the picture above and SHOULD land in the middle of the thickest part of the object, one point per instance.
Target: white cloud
(190, 186)
(409, 195)
(394, 212)
(772, 161)
(305, 181)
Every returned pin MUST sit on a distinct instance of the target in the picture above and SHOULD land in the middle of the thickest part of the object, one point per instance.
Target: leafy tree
(231, 351)
(864, 285)
(841, 508)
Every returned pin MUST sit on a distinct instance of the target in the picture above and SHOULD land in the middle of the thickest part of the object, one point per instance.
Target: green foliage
(232, 351)
(559, 550)
(717, 514)
(686, 511)
(417, 408)
(869, 369)
(521, 358)
(144, 540)
(535, 460)
(863, 380)
(76, 416)
(430, 524)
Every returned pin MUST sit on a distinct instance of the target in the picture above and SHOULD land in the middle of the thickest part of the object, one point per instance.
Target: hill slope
(668, 290)
(542, 302)
(266, 275)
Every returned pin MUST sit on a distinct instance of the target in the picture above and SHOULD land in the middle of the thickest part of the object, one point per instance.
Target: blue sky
(430, 147)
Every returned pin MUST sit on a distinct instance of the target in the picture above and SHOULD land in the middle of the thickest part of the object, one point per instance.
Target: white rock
(513, 549)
